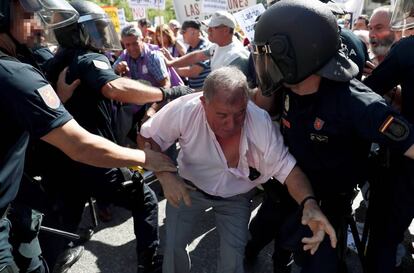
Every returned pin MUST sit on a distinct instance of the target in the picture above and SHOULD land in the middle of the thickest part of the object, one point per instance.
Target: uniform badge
(395, 129)
(318, 124)
(319, 138)
(100, 64)
(49, 96)
(287, 103)
(144, 69)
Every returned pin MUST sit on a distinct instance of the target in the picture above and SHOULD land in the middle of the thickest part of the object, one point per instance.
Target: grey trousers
(232, 217)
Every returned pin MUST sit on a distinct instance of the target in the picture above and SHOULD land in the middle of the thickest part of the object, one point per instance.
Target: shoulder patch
(49, 96)
(100, 64)
(395, 129)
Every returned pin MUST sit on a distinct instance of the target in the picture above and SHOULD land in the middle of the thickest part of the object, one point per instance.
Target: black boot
(149, 261)
(68, 258)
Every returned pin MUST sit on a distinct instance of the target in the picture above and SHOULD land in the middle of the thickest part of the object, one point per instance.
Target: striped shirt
(198, 81)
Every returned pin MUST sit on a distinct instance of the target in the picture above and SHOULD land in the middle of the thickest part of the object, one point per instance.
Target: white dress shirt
(201, 159)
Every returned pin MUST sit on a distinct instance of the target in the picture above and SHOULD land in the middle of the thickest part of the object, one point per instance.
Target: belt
(213, 197)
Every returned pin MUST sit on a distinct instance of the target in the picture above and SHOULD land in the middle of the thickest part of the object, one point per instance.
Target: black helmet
(53, 13)
(93, 30)
(295, 39)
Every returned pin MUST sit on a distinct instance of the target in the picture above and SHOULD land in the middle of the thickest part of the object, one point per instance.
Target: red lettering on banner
(237, 4)
(192, 10)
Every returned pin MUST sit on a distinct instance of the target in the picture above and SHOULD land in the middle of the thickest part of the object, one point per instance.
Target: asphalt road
(112, 247)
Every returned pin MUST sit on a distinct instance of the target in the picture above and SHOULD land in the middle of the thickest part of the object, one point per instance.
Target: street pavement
(112, 247)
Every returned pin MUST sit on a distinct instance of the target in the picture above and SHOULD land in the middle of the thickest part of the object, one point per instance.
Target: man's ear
(203, 101)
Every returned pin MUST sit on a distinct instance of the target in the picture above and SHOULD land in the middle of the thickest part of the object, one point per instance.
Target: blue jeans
(232, 217)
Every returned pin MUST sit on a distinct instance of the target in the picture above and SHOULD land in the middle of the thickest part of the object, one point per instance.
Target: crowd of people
(308, 116)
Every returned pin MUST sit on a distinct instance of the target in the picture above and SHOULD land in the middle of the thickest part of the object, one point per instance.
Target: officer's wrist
(308, 200)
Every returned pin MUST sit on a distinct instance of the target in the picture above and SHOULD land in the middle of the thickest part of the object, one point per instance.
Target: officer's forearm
(130, 91)
(298, 185)
(82, 146)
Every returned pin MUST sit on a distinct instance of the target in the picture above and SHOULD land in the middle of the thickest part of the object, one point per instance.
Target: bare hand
(64, 90)
(148, 114)
(122, 68)
(175, 189)
(157, 162)
(167, 54)
(319, 224)
(369, 66)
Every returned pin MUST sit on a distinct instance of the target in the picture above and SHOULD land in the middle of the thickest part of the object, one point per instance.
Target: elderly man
(381, 37)
(224, 52)
(228, 146)
(140, 61)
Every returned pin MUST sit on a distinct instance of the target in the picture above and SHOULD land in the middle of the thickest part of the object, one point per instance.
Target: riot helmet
(295, 39)
(93, 30)
(403, 15)
(53, 13)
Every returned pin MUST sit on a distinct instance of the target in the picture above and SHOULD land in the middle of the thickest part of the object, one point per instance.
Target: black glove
(175, 92)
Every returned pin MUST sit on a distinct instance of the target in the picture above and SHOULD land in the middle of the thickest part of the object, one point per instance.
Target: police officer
(29, 107)
(81, 46)
(396, 193)
(329, 119)
(264, 226)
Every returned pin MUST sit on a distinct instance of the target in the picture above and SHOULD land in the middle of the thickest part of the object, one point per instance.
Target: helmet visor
(101, 32)
(403, 15)
(53, 13)
(267, 72)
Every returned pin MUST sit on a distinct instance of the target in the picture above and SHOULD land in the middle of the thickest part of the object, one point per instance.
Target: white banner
(138, 12)
(192, 9)
(153, 4)
(122, 18)
(140, 3)
(210, 6)
(158, 4)
(158, 20)
(352, 6)
(247, 18)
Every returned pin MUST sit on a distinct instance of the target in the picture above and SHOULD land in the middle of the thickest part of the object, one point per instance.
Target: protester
(361, 23)
(237, 139)
(381, 37)
(394, 197)
(165, 38)
(224, 52)
(197, 72)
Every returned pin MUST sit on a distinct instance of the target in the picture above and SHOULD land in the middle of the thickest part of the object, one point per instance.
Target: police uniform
(389, 224)
(357, 50)
(29, 107)
(329, 133)
(94, 112)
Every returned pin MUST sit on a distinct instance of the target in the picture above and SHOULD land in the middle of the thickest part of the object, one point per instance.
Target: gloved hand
(175, 92)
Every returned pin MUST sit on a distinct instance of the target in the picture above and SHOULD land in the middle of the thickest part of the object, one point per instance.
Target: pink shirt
(201, 159)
